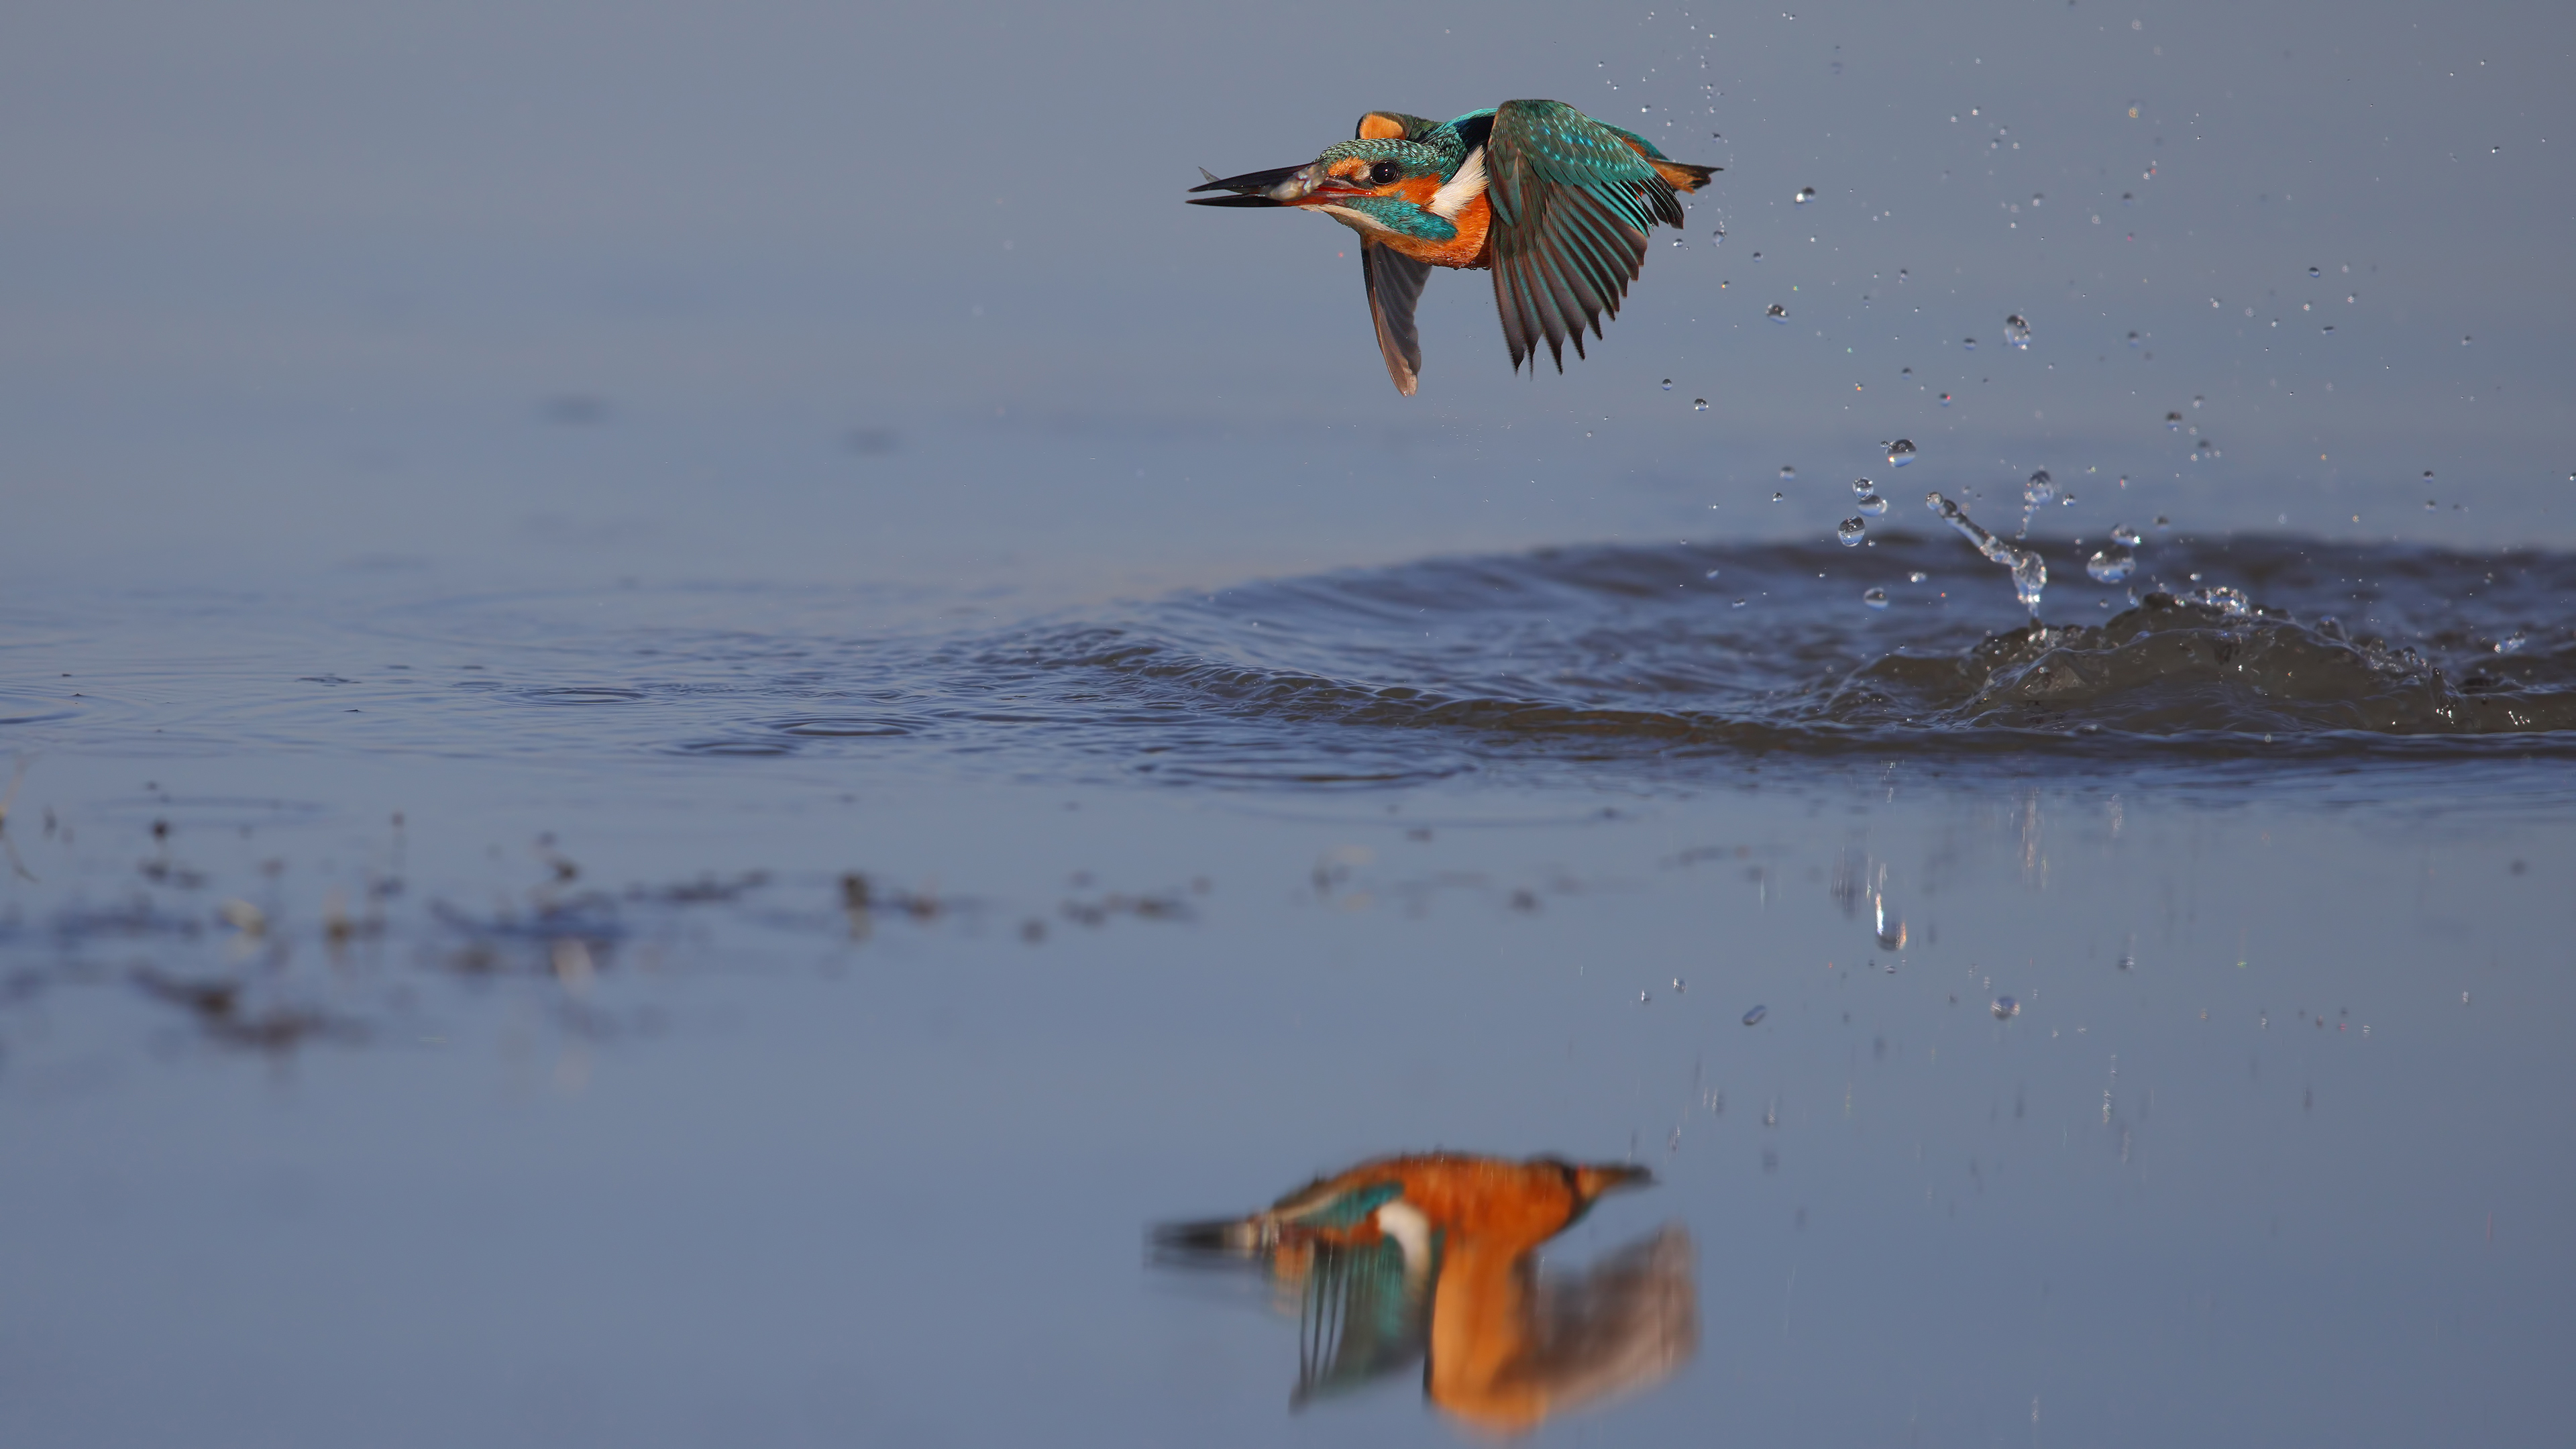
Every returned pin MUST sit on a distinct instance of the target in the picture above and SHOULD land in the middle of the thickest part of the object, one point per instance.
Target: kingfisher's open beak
(1287, 186)
(1252, 188)
(1592, 1182)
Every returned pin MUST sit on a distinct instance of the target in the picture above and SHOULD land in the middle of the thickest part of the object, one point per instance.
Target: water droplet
(1805, 195)
(1754, 1017)
(1945, 399)
(1871, 504)
(1900, 274)
(2111, 565)
(2163, 522)
(2512, 643)
(2173, 422)
(2315, 272)
(1787, 472)
(1850, 531)
(2123, 535)
(2195, 400)
(1905, 372)
(2005, 1008)
(2428, 472)
(1644, 996)
(2464, 339)
(2128, 198)
(2038, 490)
(1699, 404)
(1668, 384)
(1972, 344)
(1875, 598)
(1712, 573)
(1863, 487)
(2231, 602)
(1776, 497)
(1776, 312)
(1900, 453)
(2017, 331)
(2133, 339)
(2029, 576)
(1916, 577)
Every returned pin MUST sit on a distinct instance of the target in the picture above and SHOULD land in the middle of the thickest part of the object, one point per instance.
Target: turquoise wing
(1365, 1313)
(1573, 203)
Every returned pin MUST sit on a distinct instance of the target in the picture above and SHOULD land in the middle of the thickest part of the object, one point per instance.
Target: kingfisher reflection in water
(1435, 1258)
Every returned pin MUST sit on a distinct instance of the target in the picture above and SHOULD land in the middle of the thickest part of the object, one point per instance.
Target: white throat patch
(1357, 220)
(1466, 186)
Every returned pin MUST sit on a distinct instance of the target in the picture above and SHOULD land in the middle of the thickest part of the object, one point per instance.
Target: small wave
(582, 694)
(1611, 650)
(2172, 667)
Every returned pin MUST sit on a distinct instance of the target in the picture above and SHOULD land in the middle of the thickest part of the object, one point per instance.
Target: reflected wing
(1626, 1322)
(1361, 1318)
(1394, 285)
(1573, 202)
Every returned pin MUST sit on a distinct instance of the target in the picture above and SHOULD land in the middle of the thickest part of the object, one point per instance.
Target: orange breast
(1466, 249)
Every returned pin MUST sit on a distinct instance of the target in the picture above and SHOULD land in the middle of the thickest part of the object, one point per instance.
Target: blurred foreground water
(683, 1014)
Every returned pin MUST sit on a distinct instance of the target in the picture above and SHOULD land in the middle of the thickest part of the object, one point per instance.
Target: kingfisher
(1431, 1258)
(1558, 206)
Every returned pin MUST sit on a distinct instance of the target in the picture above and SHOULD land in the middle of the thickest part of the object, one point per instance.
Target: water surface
(694, 708)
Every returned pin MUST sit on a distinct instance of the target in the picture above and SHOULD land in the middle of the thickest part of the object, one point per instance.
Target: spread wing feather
(1573, 201)
(1394, 286)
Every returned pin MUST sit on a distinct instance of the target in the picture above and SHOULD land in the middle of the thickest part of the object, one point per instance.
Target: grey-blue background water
(699, 701)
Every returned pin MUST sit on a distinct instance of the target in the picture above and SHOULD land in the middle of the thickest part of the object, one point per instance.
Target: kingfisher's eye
(1384, 172)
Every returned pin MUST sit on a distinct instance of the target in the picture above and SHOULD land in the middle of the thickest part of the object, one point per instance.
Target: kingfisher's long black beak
(1252, 188)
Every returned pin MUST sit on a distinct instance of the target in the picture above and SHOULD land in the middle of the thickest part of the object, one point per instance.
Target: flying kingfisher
(1431, 1259)
(1556, 204)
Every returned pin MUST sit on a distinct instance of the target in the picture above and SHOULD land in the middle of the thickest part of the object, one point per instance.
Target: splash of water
(2029, 572)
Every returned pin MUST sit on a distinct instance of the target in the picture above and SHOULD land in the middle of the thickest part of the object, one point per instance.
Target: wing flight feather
(1394, 286)
(1573, 202)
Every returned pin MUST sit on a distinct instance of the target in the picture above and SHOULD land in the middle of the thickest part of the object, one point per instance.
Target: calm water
(643, 808)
